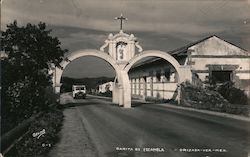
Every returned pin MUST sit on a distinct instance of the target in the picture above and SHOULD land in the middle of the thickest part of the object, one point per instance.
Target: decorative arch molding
(184, 73)
(89, 52)
(82, 53)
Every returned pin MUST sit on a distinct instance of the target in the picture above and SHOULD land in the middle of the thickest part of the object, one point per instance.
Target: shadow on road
(75, 104)
(69, 105)
(138, 104)
(68, 101)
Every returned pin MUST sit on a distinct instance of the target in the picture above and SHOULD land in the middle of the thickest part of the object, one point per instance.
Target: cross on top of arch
(121, 18)
(121, 46)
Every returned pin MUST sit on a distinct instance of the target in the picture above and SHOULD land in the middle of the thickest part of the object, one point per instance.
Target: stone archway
(122, 93)
(184, 72)
(120, 74)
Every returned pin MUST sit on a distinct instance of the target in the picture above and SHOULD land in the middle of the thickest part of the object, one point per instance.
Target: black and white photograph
(125, 78)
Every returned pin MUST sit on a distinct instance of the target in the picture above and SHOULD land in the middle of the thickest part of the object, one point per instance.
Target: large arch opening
(155, 53)
(76, 57)
(155, 75)
(90, 71)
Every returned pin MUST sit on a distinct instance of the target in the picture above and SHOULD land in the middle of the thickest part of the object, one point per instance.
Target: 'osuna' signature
(39, 133)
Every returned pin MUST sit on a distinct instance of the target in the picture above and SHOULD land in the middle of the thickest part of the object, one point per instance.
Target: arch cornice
(184, 73)
(89, 52)
(82, 53)
(153, 53)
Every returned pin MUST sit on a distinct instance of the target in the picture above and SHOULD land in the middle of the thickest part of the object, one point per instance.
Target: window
(221, 76)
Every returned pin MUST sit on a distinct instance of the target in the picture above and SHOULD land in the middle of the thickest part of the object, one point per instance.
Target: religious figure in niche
(120, 50)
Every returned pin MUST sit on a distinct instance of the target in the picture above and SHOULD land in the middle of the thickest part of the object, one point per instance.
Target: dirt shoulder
(74, 139)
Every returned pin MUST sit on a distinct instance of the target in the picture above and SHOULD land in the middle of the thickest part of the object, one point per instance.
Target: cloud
(161, 16)
(158, 24)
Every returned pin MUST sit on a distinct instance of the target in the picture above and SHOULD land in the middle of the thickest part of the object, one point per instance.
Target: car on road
(79, 91)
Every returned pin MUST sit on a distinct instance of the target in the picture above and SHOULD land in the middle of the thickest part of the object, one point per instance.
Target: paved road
(117, 131)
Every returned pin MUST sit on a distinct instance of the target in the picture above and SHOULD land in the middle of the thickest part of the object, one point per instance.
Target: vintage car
(79, 91)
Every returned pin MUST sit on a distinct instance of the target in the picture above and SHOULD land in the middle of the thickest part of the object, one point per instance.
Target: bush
(232, 94)
(23, 104)
(209, 100)
(51, 97)
(30, 145)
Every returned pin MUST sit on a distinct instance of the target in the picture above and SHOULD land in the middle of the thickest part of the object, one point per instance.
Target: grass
(40, 137)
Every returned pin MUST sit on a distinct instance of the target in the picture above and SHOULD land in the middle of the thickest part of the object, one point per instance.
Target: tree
(31, 51)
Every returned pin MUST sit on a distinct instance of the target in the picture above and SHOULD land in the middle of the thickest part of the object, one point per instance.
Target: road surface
(151, 130)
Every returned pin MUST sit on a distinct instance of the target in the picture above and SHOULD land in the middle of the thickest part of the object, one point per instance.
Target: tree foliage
(31, 51)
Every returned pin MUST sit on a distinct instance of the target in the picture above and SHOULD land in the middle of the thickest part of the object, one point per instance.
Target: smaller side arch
(184, 73)
(153, 53)
(115, 92)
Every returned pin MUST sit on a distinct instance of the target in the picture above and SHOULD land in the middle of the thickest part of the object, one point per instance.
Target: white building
(212, 61)
(108, 86)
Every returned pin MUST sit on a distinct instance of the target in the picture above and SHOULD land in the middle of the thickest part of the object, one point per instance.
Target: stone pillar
(120, 95)
(57, 88)
(115, 93)
(151, 86)
(125, 90)
(185, 74)
(144, 94)
(56, 80)
(135, 86)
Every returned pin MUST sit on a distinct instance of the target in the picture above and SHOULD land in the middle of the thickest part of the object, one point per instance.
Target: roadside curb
(219, 114)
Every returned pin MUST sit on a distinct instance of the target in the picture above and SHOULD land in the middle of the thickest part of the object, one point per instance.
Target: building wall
(167, 88)
(151, 88)
(216, 47)
(153, 81)
(105, 87)
(205, 57)
(241, 71)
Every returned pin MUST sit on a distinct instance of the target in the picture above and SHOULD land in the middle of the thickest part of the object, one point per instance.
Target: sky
(158, 24)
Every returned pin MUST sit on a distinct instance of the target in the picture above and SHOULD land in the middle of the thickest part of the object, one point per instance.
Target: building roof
(177, 52)
(183, 50)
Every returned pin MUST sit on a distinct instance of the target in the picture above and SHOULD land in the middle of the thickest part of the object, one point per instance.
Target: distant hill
(91, 83)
